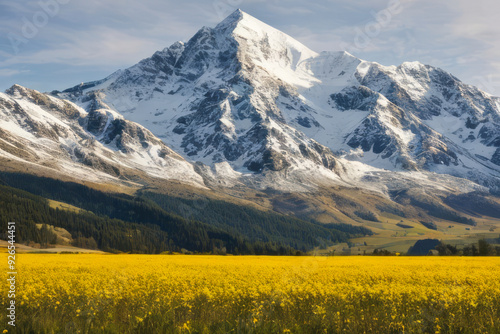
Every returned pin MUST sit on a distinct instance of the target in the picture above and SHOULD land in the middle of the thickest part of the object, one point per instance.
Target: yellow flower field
(256, 294)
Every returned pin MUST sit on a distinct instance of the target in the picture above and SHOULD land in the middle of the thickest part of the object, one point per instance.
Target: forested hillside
(150, 223)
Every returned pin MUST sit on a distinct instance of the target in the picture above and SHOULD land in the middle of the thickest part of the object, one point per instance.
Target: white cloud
(6, 72)
(99, 46)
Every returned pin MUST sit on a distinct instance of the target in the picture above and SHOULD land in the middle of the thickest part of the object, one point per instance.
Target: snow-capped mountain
(246, 95)
(213, 98)
(96, 144)
(243, 104)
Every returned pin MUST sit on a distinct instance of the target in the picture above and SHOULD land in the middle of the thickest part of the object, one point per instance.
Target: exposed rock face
(496, 157)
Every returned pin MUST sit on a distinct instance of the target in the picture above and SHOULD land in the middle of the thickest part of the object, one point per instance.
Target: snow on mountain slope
(263, 46)
(95, 145)
(246, 96)
(465, 122)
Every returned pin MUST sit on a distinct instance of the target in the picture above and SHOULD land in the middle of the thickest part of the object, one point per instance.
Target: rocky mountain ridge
(243, 104)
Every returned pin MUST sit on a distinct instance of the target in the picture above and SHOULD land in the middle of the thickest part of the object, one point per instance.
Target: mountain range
(244, 112)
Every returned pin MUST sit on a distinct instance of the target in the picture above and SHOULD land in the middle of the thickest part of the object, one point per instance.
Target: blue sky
(55, 44)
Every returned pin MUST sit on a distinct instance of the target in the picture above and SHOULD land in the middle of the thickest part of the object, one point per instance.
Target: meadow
(100, 293)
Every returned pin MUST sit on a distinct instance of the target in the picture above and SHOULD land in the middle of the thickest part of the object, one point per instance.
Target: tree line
(118, 222)
(256, 224)
(114, 235)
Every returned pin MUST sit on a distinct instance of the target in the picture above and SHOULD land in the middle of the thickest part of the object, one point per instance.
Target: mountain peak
(232, 21)
(234, 17)
(257, 35)
(17, 90)
(16, 87)
(239, 13)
